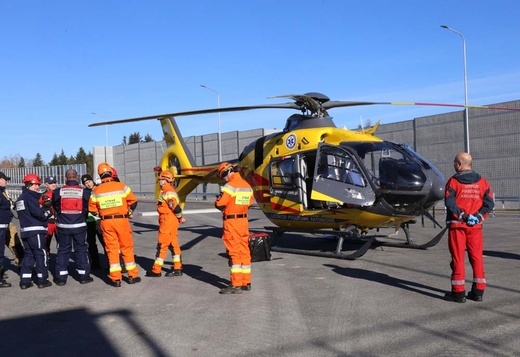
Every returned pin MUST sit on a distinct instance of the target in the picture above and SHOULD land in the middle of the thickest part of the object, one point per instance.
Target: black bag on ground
(260, 246)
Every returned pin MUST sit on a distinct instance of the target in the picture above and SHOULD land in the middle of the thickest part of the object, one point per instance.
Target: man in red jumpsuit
(234, 201)
(114, 202)
(468, 200)
(170, 216)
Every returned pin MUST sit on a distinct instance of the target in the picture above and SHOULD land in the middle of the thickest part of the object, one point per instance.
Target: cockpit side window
(282, 173)
(336, 165)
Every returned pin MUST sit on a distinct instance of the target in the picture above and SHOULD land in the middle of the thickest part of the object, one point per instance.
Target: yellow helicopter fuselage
(287, 213)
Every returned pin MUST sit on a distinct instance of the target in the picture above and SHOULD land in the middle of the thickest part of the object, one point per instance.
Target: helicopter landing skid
(337, 253)
(411, 244)
(367, 243)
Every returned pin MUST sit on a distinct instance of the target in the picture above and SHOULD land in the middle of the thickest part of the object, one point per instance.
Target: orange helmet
(32, 178)
(103, 169)
(224, 169)
(166, 175)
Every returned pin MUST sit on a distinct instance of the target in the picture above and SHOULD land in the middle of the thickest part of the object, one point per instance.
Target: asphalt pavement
(389, 302)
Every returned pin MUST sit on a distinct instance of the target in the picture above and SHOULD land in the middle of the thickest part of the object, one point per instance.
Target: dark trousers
(66, 240)
(93, 231)
(34, 253)
(3, 234)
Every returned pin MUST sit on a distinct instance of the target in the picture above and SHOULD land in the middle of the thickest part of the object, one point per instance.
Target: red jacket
(467, 193)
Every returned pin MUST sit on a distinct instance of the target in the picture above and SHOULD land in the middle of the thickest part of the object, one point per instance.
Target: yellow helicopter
(316, 178)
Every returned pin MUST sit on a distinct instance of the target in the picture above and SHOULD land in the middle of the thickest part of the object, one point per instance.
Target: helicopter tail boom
(178, 159)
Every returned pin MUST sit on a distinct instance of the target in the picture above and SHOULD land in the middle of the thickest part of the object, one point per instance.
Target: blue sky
(61, 61)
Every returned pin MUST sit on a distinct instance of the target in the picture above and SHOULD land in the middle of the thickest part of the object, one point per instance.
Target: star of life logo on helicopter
(290, 141)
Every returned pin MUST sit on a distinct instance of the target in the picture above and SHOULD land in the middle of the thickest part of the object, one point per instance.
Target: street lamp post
(219, 139)
(466, 114)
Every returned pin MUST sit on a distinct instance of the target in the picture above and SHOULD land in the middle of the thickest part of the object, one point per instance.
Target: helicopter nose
(437, 190)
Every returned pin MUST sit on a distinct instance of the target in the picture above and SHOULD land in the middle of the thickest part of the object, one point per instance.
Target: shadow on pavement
(197, 272)
(505, 255)
(72, 332)
(388, 280)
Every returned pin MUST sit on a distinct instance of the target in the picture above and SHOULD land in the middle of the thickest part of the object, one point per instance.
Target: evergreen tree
(62, 159)
(148, 138)
(134, 138)
(81, 156)
(55, 160)
(38, 160)
(90, 163)
(21, 163)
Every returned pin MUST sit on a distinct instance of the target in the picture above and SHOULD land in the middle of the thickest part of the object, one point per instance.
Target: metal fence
(14, 186)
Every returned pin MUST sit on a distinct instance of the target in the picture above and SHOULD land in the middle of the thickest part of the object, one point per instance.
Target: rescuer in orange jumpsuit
(114, 202)
(170, 215)
(234, 201)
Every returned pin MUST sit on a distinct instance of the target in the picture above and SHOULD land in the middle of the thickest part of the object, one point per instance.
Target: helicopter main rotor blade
(301, 102)
(198, 112)
(338, 104)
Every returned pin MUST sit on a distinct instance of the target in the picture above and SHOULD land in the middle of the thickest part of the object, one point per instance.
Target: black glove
(47, 203)
(479, 217)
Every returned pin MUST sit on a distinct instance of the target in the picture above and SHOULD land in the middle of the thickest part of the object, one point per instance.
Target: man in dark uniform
(12, 239)
(93, 228)
(71, 205)
(6, 215)
(33, 229)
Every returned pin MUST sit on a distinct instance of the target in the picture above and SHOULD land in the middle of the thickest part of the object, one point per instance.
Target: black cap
(2, 175)
(86, 178)
(50, 179)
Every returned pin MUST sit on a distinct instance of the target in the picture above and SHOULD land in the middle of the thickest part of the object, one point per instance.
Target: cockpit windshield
(390, 166)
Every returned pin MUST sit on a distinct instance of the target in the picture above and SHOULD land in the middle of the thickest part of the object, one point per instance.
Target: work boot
(151, 274)
(86, 280)
(24, 286)
(174, 272)
(134, 280)
(246, 287)
(60, 282)
(456, 297)
(4, 284)
(116, 284)
(231, 290)
(44, 284)
(475, 295)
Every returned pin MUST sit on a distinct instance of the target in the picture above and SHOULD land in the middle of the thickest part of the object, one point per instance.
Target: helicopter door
(338, 178)
(285, 185)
